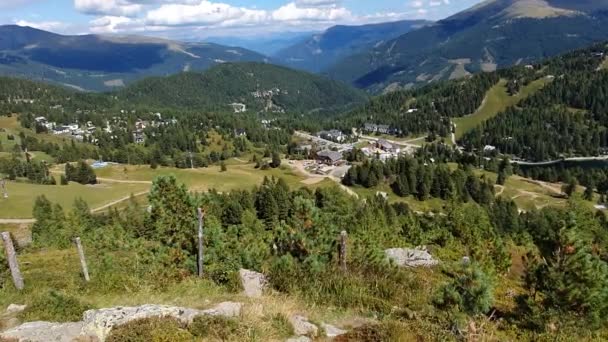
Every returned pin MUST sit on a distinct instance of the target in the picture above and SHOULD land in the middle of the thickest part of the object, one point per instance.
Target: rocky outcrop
(253, 283)
(45, 332)
(406, 257)
(299, 339)
(99, 323)
(301, 326)
(332, 331)
(15, 308)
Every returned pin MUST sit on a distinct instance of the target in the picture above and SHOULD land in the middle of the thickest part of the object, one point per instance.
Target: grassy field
(238, 176)
(497, 100)
(22, 196)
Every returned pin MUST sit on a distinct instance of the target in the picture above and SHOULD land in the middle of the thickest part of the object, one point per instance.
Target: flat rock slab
(301, 326)
(44, 332)
(406, 257)
(99, 323)
(332, 331)
(15, 308)
(253, 283)
(299, 339)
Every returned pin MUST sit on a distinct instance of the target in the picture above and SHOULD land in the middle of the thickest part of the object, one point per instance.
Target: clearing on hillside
(497, 100)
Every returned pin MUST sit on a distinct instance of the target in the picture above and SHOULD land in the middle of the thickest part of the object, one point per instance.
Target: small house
(330, 157)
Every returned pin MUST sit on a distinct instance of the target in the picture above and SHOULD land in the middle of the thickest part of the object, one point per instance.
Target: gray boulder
(332, 331)
(99, 323)
(299, 339)
(44, 332)
(253, 283)
(301, 326)
(407, 257)
(15, 308)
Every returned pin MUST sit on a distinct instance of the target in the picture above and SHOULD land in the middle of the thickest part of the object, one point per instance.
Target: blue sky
(197, 19)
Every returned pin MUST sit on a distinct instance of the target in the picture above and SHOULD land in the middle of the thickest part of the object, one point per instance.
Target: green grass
(432, 204)
(604, 64)
(497, 100)
(23, 195)
(238, 176)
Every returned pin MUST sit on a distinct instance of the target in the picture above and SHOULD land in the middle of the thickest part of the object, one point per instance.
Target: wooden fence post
(12, 260)
(201, 216)
(83, 261)
(343, 237)
(3, 185)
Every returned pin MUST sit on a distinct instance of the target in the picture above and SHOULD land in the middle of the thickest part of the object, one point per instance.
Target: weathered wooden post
(343, 238)
(12, 260)
(83, 261)
(201, 216)
(3, 185)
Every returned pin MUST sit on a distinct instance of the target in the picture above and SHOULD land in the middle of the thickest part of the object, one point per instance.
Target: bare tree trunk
(343, 237)
(201, 216)
(83, 261)
(12, 260)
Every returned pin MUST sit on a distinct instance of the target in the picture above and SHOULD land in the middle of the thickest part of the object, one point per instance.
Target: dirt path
(118, 201)
(314, 178)
(17, 221)
(501, 189)
(110, 180)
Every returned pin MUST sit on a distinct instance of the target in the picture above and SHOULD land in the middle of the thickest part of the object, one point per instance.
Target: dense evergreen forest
(568, 117)
(423, 110)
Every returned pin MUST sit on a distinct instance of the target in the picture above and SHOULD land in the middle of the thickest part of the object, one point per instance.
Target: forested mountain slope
(568, 117)
(97, 62)
(320, 51)
(258, 86)
(491, 35)
(560, 97)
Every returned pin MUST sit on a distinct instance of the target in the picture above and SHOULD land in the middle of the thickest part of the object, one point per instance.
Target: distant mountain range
(490, 35)
(268, 45)
(96, 62)
(319, 51)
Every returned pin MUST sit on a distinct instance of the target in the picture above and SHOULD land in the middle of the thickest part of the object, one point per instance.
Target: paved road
(398, 143)
(552, 162)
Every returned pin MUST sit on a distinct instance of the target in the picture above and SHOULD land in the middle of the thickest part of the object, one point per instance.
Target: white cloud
(417, 4)
(291, 12)
(108, 7)
(318, 3)
(204, 13)
(112, 24)
(208, 17)
(55, 26)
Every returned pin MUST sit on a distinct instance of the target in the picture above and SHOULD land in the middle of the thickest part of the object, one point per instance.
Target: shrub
(470, 291)
(54, 307)
(163, 329)
(281, 324)
(218, 328)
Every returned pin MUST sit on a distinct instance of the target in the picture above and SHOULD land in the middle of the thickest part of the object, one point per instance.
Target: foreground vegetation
(290, 235)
